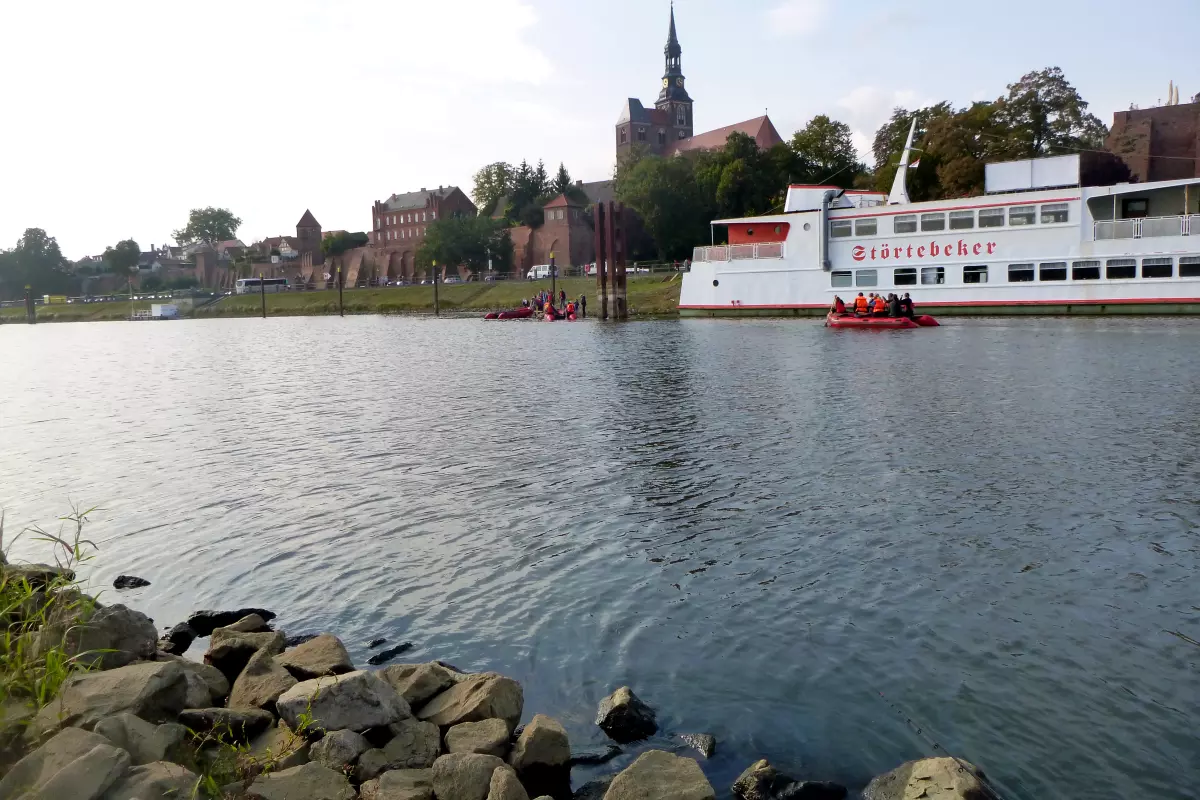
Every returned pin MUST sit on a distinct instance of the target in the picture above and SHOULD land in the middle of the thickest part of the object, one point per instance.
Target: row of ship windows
(1049, 213)
(1113, 269)
(413, 217)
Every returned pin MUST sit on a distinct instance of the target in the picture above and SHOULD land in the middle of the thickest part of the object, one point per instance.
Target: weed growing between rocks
(227, 765)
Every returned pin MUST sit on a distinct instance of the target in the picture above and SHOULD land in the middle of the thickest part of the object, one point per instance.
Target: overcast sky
(120, 116)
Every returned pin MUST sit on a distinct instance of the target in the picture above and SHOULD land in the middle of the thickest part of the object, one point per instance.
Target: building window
(962, 220)
(1020, 273)
(991, 217)
(975, 274)
(641, 134)
(906, 276)
(422, 216)
(933, 222)
(864, 227)
(389, 236)
(1055, 212)
(840, 280)
(1157, 268)
(1121, 268)
(1052, 271)
(933, 275)
(682, 134)
(1085, 271)
(840, 228)
(1022, 215)
(622, 136)
(1189, 267)
(433, 215)
(865, 277)
(905, 223)
(681, 117)
(662, 136)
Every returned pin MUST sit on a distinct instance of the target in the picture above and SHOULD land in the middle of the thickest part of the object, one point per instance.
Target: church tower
(674, 99)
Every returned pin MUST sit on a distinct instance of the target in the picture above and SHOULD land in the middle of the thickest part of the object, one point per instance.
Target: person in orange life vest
(860, 304)
(838, 306)
(880, 307)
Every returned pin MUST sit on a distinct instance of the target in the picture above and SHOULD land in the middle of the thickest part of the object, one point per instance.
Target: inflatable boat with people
(513, 313)
(852, 320)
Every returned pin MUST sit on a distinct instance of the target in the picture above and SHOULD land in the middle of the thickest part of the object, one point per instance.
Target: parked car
(541, 271)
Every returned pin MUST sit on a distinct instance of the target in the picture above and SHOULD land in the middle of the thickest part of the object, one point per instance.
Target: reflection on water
(793, 538)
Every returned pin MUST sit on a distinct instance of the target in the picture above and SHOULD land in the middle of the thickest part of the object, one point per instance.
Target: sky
(119, 117)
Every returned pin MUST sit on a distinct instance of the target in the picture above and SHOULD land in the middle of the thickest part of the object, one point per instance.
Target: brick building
(398, 226)
(566, 231)
(305, 245)
(671, 118)
(1158, 144)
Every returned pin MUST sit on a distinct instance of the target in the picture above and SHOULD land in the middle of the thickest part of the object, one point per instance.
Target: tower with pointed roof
(308, 233)
(670, 121)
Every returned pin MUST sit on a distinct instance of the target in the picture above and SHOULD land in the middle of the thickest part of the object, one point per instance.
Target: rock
(39, 576)
(595, 759)
(129, 582)
(418, 682)
(251, 623)
(154, 691)
(813, 790)
(703, 743)
(144, 741)
(320, 656)
(929, 779)
(371, 645)
(414, 745)
(464, 776)
(625, 718)
(487, 737)
(177, 640)
(354, 701)
(198, 694)
(658, 775)
(156, 781)
(227, 723)
(476, 698)
(105, 637)
(337, 749)
(279, 748)
(230, 651)
(306, 782)
(299, 639)
(543, 742)
(761, 781)
(60, 768)
(205, 622)
(593, 790)
(260, 683)
(213, 679)
(384, 656)
(399, 784)
(505, 786)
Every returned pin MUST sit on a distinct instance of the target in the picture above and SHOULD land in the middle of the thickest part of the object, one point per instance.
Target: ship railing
(738, 252)
(1147, 227)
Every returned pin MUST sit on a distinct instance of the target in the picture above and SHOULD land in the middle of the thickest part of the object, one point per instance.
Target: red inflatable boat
(515, 313)
(878, 323)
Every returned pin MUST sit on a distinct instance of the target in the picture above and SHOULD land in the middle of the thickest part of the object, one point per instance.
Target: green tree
(492, 183)
(826, 144)
(210, 226)
(889, 145)
(743, 180)
(37, 262)
(150, 283)
(336, 244)
(1043, 114)
(469, 242)
(562, 182)
(122, 258)
(667, 195)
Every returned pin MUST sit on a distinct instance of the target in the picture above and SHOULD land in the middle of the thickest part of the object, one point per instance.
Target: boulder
(929, 779)
(489, 737)
(384, 656)
(703, 743)
(39, 576)
(476, 698)
(156, 781)
(761, 781)
(205, 622)
(230, 651)
(593, 790)
(154, 691)
(213, 679)
(318, 657)
(251, 623)
(417, 683)
(260, 683)
(299, 639)
(105, 637)
(354, 701)
(144, 741)
(177, 640)
(505, 786)
(337, 749)
(306, 782)
(414, 745)
(542, 743)
(399, 784)
(62, 764)
(279, 748)
(129, 582)
(464, 776)
(227, 723)
(625, 718)
(658, 775)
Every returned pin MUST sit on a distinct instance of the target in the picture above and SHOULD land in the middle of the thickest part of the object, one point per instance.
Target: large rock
(177, 640)
(230, 651)
(39, 576)
(213, 678)
(318, 657)
(657, 775)
(703, 743)
(154, 691)
(157, 781)
(306, 782)
(625, 718)
(228, 724)
(543, 743)
(355, 701)
(205, 622)
(337, 749)
(929, 779)
(414, 745)
(505, 786)
(464, 776)
(279, 747)
(417, 683)
(489, 737)
(105, 637)
(593, 790)
(62, 763)
(761, 781)
(251, 623)
(476, 698)
(144, 741)
(400, 784)
(260, 683)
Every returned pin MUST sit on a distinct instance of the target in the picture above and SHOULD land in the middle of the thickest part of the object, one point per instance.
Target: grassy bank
(77, 312)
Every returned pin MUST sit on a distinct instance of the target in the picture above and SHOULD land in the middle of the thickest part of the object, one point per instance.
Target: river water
(810, 543)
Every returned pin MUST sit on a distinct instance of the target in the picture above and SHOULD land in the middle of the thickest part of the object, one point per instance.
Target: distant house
(398, 226)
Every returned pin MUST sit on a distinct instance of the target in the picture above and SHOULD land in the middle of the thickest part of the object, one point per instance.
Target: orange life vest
(860, 303)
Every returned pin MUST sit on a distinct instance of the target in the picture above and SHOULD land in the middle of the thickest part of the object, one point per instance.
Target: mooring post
(262, 293)
(437, 309)
(341, 307)
(601, 261)
(30, 310)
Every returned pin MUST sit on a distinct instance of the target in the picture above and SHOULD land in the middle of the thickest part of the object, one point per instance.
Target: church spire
(672, 49)
(672, 80)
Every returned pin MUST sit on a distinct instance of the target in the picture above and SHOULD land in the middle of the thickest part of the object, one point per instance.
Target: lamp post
(341, 308)
(436, 306)
(262, 293)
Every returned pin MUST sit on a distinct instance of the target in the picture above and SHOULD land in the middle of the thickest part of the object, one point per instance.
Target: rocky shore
(264, 719)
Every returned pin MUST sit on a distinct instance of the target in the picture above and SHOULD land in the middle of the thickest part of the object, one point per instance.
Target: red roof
(760, 129)
(562, 201)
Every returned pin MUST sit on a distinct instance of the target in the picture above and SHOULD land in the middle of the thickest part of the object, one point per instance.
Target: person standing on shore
(583, 306)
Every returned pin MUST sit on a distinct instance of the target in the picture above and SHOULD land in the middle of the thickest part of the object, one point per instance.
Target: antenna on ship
(899, 195)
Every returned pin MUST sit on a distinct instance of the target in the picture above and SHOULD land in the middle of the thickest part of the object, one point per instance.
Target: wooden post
(31, 310)
(553, 270)
(437, 309)
(616, 228)
(262, 292)
(601, 261)
(341, 307)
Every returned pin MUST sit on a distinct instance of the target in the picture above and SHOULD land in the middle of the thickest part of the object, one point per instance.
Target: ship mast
(899, 195)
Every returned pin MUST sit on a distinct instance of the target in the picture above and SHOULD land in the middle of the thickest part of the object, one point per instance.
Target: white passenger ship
(1037, 243)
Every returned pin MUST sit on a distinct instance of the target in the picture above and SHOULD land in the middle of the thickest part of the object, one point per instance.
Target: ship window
(906, 276)
(1085, 271)
(1135, 208)
(840, 228)
(1157, 267)
(991, 217)
(1054, 212)
(1121, 268)
(905, 223)
(1052, 271)
(975, 274)
(866, 227)
(1022, 215)
(839, 280)
(1189, 267)
(933, 275)
(933, 222)
(865, 277)
(962, 220)
(1020, 273)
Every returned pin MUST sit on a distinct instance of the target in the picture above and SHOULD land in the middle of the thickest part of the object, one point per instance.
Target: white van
(541, 271)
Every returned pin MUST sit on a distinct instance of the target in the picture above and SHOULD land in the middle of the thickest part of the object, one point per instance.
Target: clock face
(679, 82)
(666, 82)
